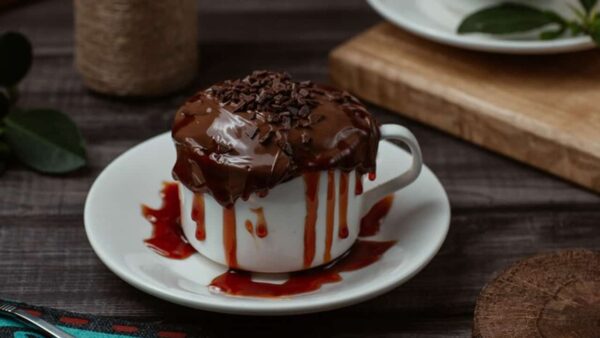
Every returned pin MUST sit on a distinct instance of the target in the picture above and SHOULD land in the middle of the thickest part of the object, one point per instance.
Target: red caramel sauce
(371, 222)
(362, 254)
(311, 182)
(330, 216)
(167, 235)
(261, 224)
(168, 240)
(249, 227)
(343, 206)
(372, 176)
(230, 236)
(198, 216)
(358, 186)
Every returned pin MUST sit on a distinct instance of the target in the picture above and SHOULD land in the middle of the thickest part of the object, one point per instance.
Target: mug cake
(272, 171)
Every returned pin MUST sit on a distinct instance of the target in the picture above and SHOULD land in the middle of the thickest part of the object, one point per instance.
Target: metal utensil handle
(41, 324)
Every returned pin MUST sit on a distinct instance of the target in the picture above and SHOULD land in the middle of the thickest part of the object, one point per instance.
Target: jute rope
(136, 47)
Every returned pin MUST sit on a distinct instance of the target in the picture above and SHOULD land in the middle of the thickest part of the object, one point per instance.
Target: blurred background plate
(437, 20)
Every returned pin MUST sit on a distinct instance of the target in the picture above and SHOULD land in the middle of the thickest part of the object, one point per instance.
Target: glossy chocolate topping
(247, 135)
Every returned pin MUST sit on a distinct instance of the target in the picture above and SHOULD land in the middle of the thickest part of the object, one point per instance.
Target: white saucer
(437, 20)
(419, 221)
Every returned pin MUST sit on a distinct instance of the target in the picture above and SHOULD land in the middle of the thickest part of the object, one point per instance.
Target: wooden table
(502, 210)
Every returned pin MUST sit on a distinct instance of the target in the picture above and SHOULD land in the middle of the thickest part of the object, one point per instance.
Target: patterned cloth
(86, 326)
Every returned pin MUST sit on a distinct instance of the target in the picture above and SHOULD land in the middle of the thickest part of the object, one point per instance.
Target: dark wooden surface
(502, 210)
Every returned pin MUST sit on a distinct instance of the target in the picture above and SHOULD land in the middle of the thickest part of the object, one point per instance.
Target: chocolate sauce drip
(230, 237)
(261, 223)
(246, 136)
(167, 235)
(168, 240)
(311, 182)
(371, 223)
(358, 186)
(343, 207)
(249, 227)
(330, 220)
(198, 216)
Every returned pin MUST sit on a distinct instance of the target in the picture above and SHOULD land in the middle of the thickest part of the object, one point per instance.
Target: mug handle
(395, 132)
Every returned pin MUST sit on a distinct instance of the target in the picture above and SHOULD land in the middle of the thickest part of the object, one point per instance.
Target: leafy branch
(509, 17)
(46, 140)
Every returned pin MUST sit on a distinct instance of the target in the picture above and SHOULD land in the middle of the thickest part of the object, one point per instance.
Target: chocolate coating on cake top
(247, 135)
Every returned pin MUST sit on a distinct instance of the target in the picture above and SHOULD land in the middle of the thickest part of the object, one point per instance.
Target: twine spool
(136, 47)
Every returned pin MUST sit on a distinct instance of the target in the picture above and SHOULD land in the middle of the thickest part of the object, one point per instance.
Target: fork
(32, 321)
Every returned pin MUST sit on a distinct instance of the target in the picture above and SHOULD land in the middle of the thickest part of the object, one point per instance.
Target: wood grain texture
(549, 295)
(501, 210)
(537, 109)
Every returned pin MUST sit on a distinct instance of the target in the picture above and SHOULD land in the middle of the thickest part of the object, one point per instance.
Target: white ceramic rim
(572, 44)
(221, 304)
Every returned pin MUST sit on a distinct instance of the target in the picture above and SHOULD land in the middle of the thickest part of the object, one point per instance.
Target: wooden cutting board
(541, 110)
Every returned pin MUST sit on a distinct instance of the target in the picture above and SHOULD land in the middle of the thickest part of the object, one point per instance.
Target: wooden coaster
(550, 295)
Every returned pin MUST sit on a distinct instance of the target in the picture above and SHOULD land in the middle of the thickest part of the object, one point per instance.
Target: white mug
(278, 233)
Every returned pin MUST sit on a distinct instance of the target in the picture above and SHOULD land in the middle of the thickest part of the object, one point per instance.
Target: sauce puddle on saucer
(362, 254)
(168, 240)
(167, 235)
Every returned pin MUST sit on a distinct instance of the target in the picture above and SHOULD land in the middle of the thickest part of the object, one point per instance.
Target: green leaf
(15, 58)
(588, 5)
(553, 34)
(575, 27)
(508, 18)
(581, 15)
(46, 140)
(594, 30)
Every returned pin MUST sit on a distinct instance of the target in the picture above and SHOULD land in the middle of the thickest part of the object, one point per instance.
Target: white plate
(438, 20)
(419, 221)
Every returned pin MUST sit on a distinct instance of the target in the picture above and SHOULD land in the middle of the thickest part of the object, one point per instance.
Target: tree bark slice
(549, 295)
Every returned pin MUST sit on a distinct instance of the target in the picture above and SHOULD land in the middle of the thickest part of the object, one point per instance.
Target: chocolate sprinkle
(287, 148)
(276, 94)
(252, 131)
(266, 136)
(305, 138)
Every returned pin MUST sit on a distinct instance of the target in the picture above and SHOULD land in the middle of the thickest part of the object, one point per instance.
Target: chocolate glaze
(233, 140)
